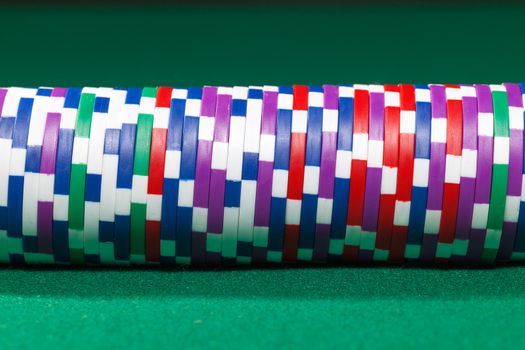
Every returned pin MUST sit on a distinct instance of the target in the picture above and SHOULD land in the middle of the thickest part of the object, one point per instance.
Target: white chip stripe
(30, 204)
(235, 149)
(46, 187)
(421, 171)
(480, 215)
(512, 209)
(453, 93)
(324, 211)
(267, 150)
(37, 124)
(123, 205)
(280, 183)
(392, 99)
(311, 186)
(172, 164)
(299, 121)
(315, 99)
(96, 143)
(115, 116)
(343, 164)
(375, 154)
(346, 91)
(147, 105)
(407, 122)
(469, 159)
(360, 146)
(432, 221)
(389, 180)
(438, 131)
(153, 207)
(246, 210)
(423, 95)
(501, 150)
(60, 207)
(17, 164)
(495, 87)
(402, 213)
(293, 211)
(161, 117)
(452, 169)
(330, 120)
(108, 187)
(253, 125)
(485, 124)
(139, 189)
(516, 118)
(186, 193)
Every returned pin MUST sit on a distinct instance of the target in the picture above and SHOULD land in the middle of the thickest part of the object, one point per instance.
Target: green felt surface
(405, 308)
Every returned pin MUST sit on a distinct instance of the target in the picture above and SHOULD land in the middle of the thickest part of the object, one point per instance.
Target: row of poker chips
(220, 175)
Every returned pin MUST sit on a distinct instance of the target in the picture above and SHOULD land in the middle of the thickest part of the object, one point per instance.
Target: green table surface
(319, 307)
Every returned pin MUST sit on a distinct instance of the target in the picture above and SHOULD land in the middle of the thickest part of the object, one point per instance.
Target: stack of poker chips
(256, 175)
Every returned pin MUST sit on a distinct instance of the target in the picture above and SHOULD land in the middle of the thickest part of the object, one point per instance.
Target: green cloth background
(333, 307)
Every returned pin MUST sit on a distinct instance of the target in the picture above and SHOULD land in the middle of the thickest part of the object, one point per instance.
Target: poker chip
(310, 191)
(18, 243)
(374, 173)
(343, 161)
(157, 159)
(219, 165)
(249, 175)
(512, 203)
(109, 176)
(420, 178)
(483, 185)
(438, 144)
(327, 172)
(46, 180)
(467, 180)
(64, 154)
(263, 193)
(500, 172)
(387, 199)
(172, 163)
(234, 166)
(518, 253)
(358, 172)
(262, 174)
(78, 175)
(405, 173)
(202, 175)
(126, 154)
(296, 172)
(139, 187)
(183, 234)
(447, 225)
(281, 165)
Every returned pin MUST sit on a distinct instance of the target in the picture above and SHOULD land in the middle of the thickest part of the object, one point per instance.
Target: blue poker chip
(170, 192)
(311, 173)
(187, 176)
(420, 182)
(16, 176)
(280, 174)
(126, 153)
(66, 135)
